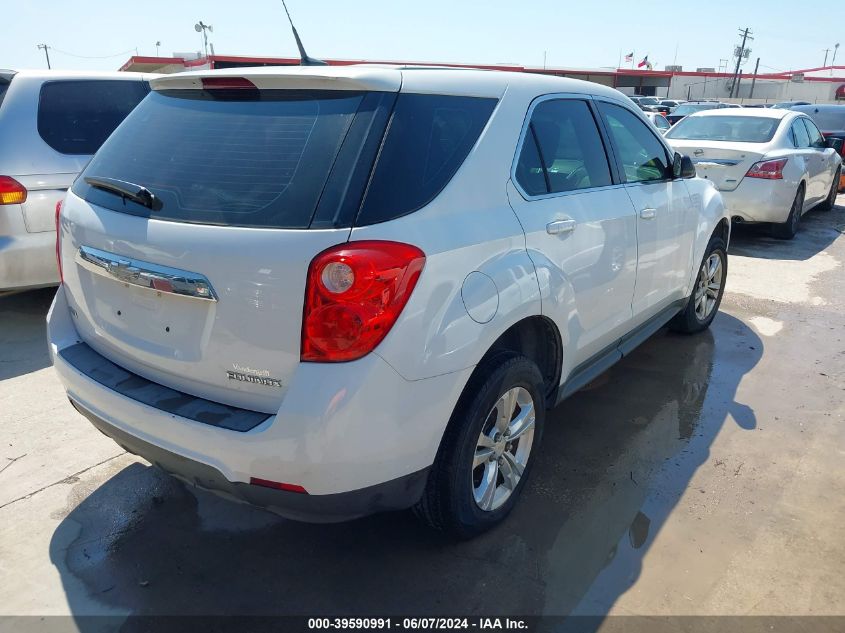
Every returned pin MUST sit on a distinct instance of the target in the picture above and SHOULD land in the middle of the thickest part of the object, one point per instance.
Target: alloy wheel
(709, 285)
(503, 448)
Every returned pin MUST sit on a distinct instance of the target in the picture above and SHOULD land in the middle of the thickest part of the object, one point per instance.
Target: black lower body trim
(102, 370)
(396, 494)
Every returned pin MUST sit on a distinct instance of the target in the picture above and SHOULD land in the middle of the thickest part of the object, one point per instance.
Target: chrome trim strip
(145, 275)
(716, 161)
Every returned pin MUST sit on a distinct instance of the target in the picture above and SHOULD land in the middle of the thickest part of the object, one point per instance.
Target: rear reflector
(278, 485)
(11, 191)
(227, 83)
(767, 169)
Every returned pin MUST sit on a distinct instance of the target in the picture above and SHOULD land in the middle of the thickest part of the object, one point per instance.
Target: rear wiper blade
(136, 193)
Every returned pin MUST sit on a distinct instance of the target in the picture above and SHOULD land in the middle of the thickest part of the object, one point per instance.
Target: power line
(92, 56)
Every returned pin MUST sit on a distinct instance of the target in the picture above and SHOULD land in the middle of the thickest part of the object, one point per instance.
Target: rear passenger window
(816, 138)
(642, 157)
(76, 117)
(428, 139)
(562, 150)
(799, 133)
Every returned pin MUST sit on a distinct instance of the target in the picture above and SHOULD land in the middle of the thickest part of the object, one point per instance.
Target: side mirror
(835, 143)
(682, 166)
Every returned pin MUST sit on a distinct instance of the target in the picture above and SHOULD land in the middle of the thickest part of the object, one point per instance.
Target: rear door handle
(558, 227)
(648, 214)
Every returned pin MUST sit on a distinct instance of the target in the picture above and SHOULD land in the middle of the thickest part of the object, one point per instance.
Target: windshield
(685, 109)
(649, 101)
(737, 129)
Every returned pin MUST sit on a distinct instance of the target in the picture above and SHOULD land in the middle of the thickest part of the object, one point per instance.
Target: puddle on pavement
(615, 460)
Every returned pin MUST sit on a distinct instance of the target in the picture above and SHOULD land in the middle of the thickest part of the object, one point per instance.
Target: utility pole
(754, 78)
(45, 47)
(740, 53)
(826, 51)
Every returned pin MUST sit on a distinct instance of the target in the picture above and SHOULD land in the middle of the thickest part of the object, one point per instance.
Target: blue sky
(788, 35)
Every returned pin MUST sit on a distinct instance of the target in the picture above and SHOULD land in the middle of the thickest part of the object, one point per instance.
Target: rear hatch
(724, 164)
(186, 241)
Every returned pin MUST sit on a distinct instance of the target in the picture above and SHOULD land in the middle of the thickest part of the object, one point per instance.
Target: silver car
(51, 123)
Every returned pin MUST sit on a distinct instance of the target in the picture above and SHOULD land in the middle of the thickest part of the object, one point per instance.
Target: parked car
(386, 328)
(830, 119)
(771, 165)
(650, 104)
(671, 103)
(659, 121)
(785, 105)
(51, 123)
(691, 107)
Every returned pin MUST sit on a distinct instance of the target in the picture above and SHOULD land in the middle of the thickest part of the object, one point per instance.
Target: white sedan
(769, 165)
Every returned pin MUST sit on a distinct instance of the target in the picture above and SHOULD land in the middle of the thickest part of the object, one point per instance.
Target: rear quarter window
(77, 116)
(428, 139)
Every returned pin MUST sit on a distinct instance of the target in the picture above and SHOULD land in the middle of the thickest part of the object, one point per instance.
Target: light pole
(205, 29)
(835, 49)
(45, 47)
(157, 45)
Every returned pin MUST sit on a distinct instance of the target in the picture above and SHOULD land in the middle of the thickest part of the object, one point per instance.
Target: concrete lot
(702, 475)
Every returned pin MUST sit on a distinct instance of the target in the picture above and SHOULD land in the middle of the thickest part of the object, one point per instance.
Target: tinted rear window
(4, 86)
(76, 117)
(737, 129)
(428, 139)
(255, 162)
(830, 119)
(285, 158)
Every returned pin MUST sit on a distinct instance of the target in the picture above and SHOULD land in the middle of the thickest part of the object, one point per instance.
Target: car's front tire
(707, 291)
(488, 448)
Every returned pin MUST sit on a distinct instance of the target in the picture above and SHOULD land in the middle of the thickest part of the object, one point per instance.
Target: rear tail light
(767, 169)
(59, 240)
(11, 191)
(354, 294)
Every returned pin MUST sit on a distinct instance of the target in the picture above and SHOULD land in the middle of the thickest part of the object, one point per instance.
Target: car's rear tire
(830, 201)
(488, 449)
(788, 229)
(707, 291)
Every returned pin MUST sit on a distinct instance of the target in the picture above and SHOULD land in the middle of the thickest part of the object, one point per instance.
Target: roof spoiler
(289, 78)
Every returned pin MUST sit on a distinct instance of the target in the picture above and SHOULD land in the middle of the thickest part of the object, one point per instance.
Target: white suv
(337, 291)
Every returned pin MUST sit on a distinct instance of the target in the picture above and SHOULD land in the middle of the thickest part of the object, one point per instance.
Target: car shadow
(23, 332)
(616, 459)
(817, 232)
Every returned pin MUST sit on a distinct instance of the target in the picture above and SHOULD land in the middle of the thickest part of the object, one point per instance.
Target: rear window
(286, 158)
(684, 109)
(76, 117)
(737, 129)
(831, 119)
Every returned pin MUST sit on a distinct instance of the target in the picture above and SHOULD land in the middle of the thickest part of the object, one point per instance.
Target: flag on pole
(644, 62)
(629, 57)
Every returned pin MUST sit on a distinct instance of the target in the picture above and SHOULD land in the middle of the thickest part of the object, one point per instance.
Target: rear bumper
(357, 428)
(28, 260)
(396, 494)
(758, 200)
